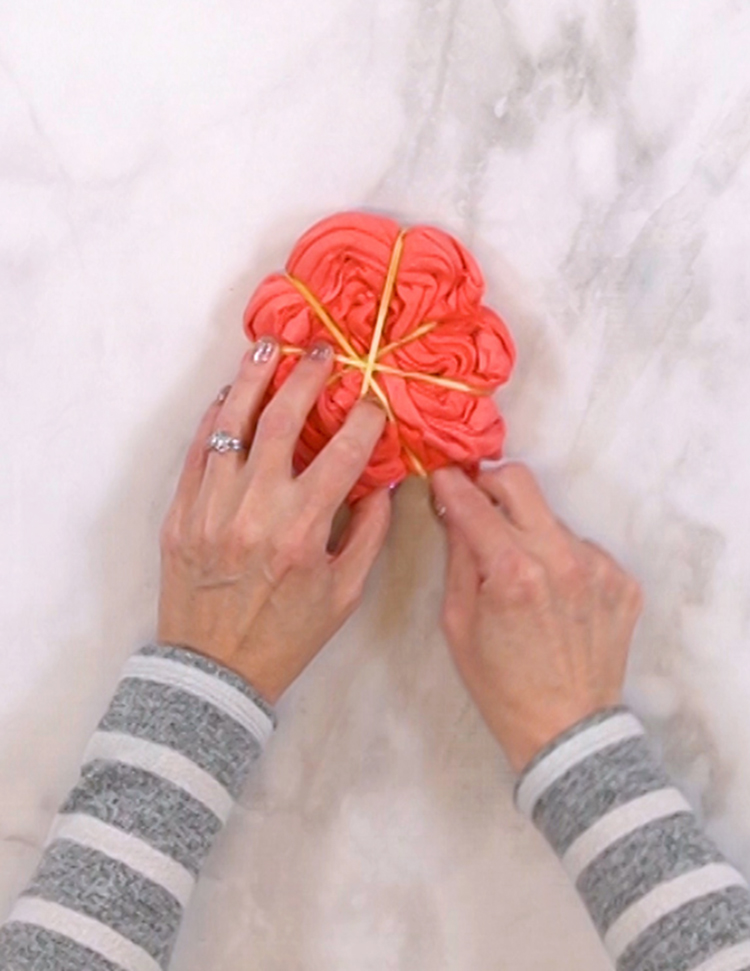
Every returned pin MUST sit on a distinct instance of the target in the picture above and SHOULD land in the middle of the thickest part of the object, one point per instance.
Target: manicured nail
(394, 487)
(221, 397)
(263, 350)
(320, 351)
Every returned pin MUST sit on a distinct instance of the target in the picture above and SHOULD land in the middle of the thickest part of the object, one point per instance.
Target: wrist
(210, 663)
(261, 675)
(593, 733)
(530, 738)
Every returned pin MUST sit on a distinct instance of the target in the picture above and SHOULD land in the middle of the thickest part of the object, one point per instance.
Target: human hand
(246, 575)
(539, 622)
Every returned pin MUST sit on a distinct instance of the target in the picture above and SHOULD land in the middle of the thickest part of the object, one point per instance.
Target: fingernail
(263, 350)
(320, 351)
(491, 465)
(222, 395)
(437, 507)
(393, 488)
(372, 399)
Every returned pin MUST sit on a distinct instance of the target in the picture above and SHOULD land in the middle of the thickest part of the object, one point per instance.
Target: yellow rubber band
(340, 338)
(385, 303)
(371, 366)
(413, 335)
(323, 315)
(360, 365)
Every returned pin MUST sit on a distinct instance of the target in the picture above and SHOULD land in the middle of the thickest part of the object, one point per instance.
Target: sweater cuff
(188, 704)
(658, 891)
(580, 774)
(159, 779)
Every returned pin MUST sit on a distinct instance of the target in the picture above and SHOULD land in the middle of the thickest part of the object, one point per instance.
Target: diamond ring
(224, 442)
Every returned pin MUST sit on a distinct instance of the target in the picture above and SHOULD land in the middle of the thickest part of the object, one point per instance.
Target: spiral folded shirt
(403, 309)
(174, 749)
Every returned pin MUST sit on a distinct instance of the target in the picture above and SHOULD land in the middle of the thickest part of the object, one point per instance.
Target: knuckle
(170, 539)
(509, 563)
(349, 450)
(201, 537)
(572, 573)
(633, 594)
(291, 550)
(205, 539)
(531, 577)
(602, 568)
(613, 581)
(236, 543)
(525, 579)
(617, 586)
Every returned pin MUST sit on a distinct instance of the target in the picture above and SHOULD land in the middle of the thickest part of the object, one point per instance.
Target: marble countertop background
(157, 158)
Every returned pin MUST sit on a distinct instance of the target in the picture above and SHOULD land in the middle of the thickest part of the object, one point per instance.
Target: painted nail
(393, 488)
(221, 397)
(263, 350)
(320, 351)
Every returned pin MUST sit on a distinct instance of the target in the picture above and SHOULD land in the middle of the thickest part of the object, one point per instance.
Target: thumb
(461, 586)
(365, 535)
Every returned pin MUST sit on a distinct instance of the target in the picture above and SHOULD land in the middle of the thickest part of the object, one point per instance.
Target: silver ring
(224, 442)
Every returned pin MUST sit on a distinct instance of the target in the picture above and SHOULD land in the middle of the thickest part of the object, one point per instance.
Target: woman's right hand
(539, 621)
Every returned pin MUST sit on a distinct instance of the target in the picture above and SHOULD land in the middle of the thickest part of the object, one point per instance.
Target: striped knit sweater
(172, 753)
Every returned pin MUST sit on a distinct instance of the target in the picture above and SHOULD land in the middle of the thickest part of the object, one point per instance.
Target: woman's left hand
(247, 578)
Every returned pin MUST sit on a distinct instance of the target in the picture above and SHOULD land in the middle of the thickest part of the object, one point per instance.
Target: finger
(567, 531)
(193, 468)
(366, 533)
(239, 413)
(515, 489)
(333, 473)
(602, 559)
(594, 548)
(282, 420)
(462, 577)
(461, 585)
(619, 586)
(471, 512)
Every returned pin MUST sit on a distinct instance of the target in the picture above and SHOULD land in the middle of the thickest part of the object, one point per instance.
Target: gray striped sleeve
(658, 891)
(158, 782)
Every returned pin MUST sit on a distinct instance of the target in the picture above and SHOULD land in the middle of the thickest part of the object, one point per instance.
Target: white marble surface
(155, 159)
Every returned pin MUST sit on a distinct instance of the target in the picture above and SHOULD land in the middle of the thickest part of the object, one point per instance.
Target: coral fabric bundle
(403, 310)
